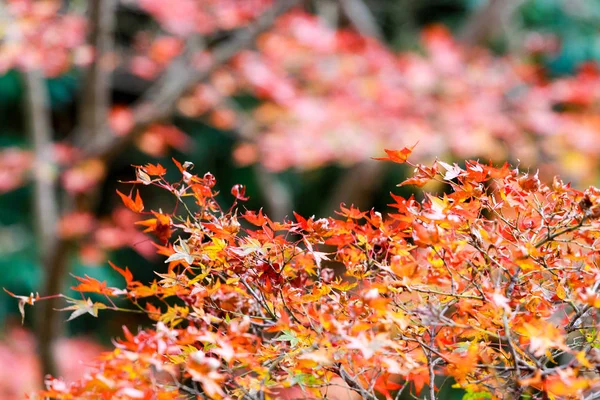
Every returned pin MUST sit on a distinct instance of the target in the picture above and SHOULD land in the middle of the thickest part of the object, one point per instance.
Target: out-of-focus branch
(276, 194)
(328, 11)
(488, 21)
(46, 208)
(158, 103)
(161, 99)
(40, 133)
(361, 17)
(48, 326)
(97, 88)
(95, 103)
(356, 186)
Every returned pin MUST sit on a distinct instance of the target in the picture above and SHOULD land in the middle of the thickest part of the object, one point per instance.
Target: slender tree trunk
(46, 208)
(95, 100)
(488, 21)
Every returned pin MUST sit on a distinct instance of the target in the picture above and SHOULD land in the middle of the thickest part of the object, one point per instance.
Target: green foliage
(575, 24)
(476, 396)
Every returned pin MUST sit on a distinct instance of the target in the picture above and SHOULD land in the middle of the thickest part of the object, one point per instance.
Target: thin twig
(352, 383)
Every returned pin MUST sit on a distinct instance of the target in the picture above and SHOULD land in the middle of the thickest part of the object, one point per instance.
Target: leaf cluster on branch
(323, 95)
(493, 283)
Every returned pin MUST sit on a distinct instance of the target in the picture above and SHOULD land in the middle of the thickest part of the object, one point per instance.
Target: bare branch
(158, 103)
(160, 100)
(46, 208)
(361, 17)
(40, 131)
(359, 182)
(488, 21)
(356, 186)
(275, 193)
(97, 87)
(352, 383)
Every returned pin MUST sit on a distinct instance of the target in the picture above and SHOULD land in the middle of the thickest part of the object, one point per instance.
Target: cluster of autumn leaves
(492, 282)
(336, 96)
(333, 95)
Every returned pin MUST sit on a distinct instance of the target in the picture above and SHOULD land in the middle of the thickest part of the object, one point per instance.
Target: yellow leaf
(561, 293)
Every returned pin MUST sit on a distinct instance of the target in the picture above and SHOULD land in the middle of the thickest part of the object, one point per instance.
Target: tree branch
(361, 17)
(161, 99)
(352, 383)
(40, 132)
(158, 103)
(46, 208)
(97, 86)
(356, 186)
(275, 193)
(328, 12)
(487, 21)
(95, 102)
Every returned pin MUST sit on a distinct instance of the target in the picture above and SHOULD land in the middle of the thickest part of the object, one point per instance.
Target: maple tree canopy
(494, 282)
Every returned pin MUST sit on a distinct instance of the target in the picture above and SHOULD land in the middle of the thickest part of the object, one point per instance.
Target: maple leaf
(368, 347)
(182, 253)
(288, 336)
(171, 279)
(352, 212)
(397, 156)
(452, 171)
(462, 363)
(384, 384)
(203, 369)
(422, 175)
(254, 218)
(126, 273)
(91, 285)
(135, 206)
(415, 180)
(239, 192)
(160, 226)
(419, 378)
(529, 183)
(567, 384)
(154, 170)
(252, 246)
(81, 307)
(318, 255)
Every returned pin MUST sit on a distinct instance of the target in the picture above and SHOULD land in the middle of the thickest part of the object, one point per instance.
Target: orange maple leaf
(154, 170)
(92, 285)
(397, 156)
(135, 206)
(161, 226)
(126, 273)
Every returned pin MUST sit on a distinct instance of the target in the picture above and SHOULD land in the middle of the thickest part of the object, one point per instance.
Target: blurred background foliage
(573, 24)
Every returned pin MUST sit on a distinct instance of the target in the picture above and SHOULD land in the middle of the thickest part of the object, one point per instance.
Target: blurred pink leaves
(18, 353)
